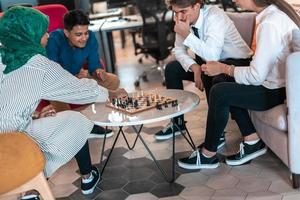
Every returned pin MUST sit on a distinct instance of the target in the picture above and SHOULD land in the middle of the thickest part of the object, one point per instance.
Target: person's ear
(197, 6)
(67, 33)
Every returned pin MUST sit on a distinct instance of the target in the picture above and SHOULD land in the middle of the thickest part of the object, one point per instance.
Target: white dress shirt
(273, 45)
(218, 39)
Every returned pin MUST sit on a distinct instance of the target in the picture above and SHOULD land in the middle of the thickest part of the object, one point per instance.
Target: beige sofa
(279, 127)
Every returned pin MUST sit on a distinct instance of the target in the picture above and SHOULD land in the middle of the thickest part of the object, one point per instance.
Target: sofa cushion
(275, 117)
(244, 22)
(296, 40)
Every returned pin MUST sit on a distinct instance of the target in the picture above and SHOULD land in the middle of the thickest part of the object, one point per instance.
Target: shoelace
(196, 153)
(242, 152)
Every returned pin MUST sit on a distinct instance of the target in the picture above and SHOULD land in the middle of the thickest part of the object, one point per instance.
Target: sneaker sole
(166, 137)
(189, 166)
(90, 191)
(100, 136)
(247, 159)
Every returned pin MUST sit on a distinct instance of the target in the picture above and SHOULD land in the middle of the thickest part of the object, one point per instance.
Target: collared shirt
(218, 39)
(71, 58)
(273, 45)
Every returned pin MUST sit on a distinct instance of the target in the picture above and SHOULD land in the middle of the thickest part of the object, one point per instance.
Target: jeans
(238, 99)
(83, 159)
(175, 74)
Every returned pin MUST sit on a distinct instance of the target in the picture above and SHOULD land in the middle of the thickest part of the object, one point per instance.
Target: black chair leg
(295, 180)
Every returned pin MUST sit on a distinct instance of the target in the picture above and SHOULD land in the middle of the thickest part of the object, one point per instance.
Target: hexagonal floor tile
(197, 192)
(192, 179)
(112, 195)
(113, 183)
(222, 181)
(138, 174)
(143, 196)
(254, 184)
(167, 189)
(138, 186)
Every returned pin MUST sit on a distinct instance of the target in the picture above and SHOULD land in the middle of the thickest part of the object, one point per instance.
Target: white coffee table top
(106, 116)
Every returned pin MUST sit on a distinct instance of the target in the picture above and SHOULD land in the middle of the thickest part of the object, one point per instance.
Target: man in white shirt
(208, 33)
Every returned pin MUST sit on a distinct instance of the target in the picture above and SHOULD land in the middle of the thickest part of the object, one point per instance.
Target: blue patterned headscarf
(21, 31)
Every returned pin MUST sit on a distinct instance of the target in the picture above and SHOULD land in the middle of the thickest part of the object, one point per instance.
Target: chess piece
(136, 104)
(166, 104)
(158, 106)
(175, 103)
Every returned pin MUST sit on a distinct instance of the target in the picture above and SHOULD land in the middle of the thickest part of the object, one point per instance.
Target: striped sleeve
(60, 85)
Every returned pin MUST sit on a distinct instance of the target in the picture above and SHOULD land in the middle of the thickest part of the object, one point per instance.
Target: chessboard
(139, 102)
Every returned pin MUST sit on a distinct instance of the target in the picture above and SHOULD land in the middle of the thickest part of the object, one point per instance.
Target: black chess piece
(130, 101)
(113, 101)
(158, 106)
(136, 104)
(148, 102)
(166, 104)
(174, 103)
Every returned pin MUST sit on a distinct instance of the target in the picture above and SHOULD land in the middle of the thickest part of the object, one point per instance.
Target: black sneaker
(246, 153)
(99, 132)
(166, 133)
(88, 188)
(220, 145)
(30, 197)
(198, 161)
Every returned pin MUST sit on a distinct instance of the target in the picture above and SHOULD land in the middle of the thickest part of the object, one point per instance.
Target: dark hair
(183, 3)
(74, 18)
(283, 6)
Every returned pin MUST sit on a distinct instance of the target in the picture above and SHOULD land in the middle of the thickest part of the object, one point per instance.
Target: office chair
(69, 4)
(157, 35)
(56, 13)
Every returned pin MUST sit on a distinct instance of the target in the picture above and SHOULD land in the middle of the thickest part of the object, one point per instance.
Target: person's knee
(218, 93)
(73, 117)
(171, 69)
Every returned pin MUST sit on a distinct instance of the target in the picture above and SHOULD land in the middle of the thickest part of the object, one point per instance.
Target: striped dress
(59, 137)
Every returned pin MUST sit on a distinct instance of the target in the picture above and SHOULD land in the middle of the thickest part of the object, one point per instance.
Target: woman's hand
(213, 68)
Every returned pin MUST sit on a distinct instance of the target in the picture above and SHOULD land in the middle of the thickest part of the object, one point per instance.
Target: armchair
(21, 165)
(279, 127)
(157, 34)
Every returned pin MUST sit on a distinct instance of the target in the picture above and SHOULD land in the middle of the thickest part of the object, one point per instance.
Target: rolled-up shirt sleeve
(181, 55)
(268, 43)
(210, 46)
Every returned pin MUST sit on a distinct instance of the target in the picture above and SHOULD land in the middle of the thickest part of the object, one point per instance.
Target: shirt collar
(199, 21)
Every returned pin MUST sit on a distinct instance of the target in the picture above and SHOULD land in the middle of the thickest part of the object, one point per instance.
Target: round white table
(103, 115)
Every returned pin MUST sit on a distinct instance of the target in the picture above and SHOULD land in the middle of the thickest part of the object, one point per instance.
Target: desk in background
(113, 24)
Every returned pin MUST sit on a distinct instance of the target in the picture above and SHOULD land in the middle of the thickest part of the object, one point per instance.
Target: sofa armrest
(293, 104)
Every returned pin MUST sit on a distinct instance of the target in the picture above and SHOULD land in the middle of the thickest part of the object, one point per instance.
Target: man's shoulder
(213, 10)
(58, 36)
(58, 33)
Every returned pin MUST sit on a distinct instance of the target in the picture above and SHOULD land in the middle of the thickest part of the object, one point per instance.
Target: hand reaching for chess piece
(119, 93)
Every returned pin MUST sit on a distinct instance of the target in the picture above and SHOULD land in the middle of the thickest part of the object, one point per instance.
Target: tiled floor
(132, 175)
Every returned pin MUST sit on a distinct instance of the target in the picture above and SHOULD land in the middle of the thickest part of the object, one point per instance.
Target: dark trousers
(175, 74)
(238, 99)
(83, 159)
